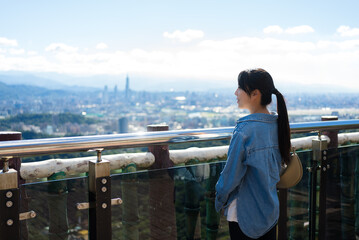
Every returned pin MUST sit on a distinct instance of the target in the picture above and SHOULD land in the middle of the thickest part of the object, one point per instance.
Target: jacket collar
(262, 117)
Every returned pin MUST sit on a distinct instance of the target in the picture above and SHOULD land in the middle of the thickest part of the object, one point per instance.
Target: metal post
(14, 162)
(320, 147)
(323, 191)
(10, 193)
(9, 203)
(100, 197)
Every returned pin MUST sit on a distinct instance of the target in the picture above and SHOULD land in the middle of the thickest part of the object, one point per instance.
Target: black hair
(258, 78)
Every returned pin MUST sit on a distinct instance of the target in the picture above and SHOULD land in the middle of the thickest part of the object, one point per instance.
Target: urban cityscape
(122, 110)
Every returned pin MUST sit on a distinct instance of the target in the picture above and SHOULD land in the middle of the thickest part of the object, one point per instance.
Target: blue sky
(311, 42)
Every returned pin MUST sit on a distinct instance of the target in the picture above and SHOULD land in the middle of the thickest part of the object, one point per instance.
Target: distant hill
(21, 91)
(21, 78)
(57, 81)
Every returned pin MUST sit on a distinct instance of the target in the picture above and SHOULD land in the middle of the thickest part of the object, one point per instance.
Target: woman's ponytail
(260, 79)
(283, 127)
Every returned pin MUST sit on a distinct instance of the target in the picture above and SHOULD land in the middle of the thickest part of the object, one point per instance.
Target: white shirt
(232, 211)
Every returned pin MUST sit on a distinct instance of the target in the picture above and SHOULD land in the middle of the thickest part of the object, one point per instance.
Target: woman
(246, 189)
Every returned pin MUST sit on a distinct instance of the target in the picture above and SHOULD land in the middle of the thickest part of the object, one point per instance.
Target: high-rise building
(105, 95)
(123, 125)
(127, 89)
(115, 93)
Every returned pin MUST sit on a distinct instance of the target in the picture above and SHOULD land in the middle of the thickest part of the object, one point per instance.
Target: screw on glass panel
(104, 205)
(9, 222)
(9, 204)
(32, 214)
(103, 189)
(9, 194)
(104, 180)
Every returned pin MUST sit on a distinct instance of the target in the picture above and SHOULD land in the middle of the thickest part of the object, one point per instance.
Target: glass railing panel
(175, 203)
(55, 205)
(342, 191)
(343, 194)
(178, 203)
(298, 202)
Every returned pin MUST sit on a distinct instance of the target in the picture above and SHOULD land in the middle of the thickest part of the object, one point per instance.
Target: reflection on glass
(178, 203)
(199, 187)
(298, 202)
(55, 205)
(175, 203)
(130, 218)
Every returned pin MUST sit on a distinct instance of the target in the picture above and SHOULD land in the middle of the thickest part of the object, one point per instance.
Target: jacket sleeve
(233, 171)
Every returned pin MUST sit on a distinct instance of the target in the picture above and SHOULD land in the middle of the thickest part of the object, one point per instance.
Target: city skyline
(181, 45)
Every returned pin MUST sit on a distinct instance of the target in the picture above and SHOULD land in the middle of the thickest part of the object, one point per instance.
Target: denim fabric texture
(251, 174)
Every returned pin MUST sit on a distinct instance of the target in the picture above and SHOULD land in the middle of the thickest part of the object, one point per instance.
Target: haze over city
(181, 45)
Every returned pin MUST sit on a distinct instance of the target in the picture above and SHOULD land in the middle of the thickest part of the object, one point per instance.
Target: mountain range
(52, 81)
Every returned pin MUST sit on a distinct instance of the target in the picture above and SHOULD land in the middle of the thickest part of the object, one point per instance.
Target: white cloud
(346, 31)
(293, 30)
(15, 51)
(60, 47)
(209, 60)
(300, 29)
(273, 29)
(101, 46)
(8, 42)
(184, 36)
(31, 53)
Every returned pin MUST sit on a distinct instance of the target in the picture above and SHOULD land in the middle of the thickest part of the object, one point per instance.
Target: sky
(193, 43)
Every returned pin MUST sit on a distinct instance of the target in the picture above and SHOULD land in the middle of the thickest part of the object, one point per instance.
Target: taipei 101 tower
(127, 90)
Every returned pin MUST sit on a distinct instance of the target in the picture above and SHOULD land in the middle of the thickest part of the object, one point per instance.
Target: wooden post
(161, 192)
(332, 221)
(333, 134)
(161, 152)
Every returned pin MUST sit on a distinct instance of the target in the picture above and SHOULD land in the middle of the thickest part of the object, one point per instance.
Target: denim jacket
(251, 174)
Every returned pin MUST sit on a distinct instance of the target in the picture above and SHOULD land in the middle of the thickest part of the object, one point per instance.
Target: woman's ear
(255, 93)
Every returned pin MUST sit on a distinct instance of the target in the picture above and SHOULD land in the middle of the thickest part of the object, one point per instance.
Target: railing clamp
(27, 215)
(6, 163)
(87, 205)
(99, 152)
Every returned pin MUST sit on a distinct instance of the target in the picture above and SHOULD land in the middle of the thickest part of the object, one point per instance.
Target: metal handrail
(21, 148)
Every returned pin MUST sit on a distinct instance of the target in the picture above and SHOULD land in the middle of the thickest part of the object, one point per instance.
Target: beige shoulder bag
(292, 172)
